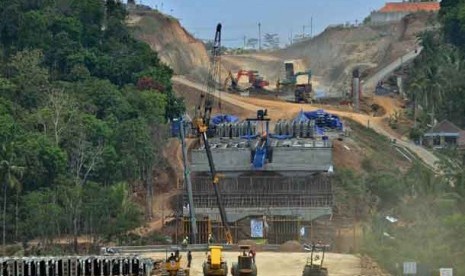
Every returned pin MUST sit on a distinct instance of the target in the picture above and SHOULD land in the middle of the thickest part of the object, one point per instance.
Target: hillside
(174, 45)
(334, 53)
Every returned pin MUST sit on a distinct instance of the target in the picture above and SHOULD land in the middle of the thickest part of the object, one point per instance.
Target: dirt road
(280, 263)
(281, 110)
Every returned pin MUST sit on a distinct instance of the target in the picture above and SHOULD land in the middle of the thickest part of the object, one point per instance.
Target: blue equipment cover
(319, 131)
(280, 137)
(301, 117)
(323, 119)
(250, 136)
(223, 118)
(259, 158)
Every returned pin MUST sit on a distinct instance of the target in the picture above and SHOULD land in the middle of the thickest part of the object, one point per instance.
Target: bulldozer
(245, 265)
(314, 265)
(215, 265)
(172, 266)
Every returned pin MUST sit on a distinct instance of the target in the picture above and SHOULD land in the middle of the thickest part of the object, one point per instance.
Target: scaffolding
(265, 192)
(302, 193)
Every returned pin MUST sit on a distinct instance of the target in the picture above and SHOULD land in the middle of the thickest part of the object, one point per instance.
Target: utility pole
(188, 184)
(311, 26)
(245, 41)
(303, 31)
(259, 36)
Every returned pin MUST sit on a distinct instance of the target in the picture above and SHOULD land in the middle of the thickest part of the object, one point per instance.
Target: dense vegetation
(82, 111)
(436, 83)
(430, 208)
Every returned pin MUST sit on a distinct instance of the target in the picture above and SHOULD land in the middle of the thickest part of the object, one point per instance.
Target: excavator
(214, 265)
(255, 81)
(302, 92)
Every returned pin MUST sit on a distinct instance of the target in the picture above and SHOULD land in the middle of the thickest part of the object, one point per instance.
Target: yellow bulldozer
(215, 265)
(172, 266)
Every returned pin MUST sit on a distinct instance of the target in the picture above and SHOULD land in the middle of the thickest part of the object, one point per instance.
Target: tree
(271, 41)
(10, 174)
(252, 42)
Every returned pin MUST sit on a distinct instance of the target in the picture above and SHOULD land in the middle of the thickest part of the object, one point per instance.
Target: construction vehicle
(245, 265)
(215, 265)
(314, 265)
(172, 266)
(233, 87)
(201, 122)
(302, 92)
(255, 81)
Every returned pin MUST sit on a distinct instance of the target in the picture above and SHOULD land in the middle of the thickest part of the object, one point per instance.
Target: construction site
(260, 143)
(253, 159)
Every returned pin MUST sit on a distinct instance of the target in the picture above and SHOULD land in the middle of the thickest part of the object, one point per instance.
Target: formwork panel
(203, 228)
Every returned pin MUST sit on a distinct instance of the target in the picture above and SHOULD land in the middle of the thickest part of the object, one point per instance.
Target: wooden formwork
(204, 227)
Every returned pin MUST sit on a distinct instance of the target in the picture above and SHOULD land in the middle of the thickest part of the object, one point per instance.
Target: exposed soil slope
(333, 54)
(174, 45)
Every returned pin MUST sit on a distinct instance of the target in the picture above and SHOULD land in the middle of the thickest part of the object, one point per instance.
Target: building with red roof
(395, 11)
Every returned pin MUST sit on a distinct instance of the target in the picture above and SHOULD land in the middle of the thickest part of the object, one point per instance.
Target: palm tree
(417, 88)
(10, 175)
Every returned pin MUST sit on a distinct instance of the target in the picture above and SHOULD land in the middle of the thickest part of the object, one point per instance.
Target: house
(444, 134)
(395, 11)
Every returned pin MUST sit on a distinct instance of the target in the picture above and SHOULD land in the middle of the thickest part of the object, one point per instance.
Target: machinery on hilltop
(302, 92)
(201, 123)
(255, 81)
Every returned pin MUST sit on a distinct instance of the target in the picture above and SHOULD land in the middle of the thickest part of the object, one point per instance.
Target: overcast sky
(241, 17)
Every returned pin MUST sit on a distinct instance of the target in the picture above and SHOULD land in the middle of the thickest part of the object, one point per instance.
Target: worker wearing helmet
(211, 240)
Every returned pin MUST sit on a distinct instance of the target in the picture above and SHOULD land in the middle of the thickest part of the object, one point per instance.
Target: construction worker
(172, 258)
(185, 242)
(210, 239)
(252, 254)
(189, 258)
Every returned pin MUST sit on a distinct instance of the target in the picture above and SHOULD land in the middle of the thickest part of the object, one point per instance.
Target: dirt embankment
(174, 45)
(333, 54)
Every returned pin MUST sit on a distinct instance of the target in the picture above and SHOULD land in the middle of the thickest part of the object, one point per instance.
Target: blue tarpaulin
(319, 131)
(250, 136)
(224, 118)
(301, 118)
(322, 119)
(280, 137)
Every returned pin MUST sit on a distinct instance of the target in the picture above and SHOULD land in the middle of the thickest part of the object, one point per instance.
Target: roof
(444, 127)
(410, 7)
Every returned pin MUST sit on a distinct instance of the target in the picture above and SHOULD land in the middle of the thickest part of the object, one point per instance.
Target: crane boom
(202, 121)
